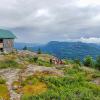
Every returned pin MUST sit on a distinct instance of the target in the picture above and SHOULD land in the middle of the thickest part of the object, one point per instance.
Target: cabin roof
(5, 34)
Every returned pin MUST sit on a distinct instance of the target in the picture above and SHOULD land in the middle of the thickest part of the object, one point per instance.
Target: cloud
(90, 40)
(43, 21)
(88, 2)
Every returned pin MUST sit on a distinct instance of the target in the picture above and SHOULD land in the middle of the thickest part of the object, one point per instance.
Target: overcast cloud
(41, 21)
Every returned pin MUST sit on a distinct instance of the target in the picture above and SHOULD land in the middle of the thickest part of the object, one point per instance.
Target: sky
(41, 21)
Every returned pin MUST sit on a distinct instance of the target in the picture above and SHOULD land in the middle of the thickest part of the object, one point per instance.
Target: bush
(51, 61)
(97, 65)
(88, 61)
(33, 59)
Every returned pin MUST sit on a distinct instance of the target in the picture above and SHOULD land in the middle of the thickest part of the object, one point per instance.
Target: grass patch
(31, 87)
(35, 89)
(75, 85)
(44, 63)
(9, 64)
(2, 81)
(4, 93)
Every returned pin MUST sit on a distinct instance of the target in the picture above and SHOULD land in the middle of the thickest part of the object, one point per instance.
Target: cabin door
(1, 45)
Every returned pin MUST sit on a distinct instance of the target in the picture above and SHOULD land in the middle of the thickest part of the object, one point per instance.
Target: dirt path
(11, 75)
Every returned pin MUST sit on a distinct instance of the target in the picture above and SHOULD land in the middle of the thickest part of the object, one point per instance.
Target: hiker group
(56, 61)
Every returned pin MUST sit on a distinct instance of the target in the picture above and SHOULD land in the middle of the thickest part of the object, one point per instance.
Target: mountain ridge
(70, 50)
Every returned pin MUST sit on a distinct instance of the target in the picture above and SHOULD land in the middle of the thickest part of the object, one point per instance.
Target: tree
(39, 51)
(51, 61)
(97, 65)
(88, 61)
(25, 48)
(35, 59)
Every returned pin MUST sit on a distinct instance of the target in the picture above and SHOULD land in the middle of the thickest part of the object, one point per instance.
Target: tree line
(88, 61)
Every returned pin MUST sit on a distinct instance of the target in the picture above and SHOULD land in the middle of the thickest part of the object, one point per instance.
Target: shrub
(51, 61)
(88, 61)
(97, 65)
(33, 59)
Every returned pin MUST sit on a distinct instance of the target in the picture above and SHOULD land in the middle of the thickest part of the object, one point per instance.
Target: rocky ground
(11, 75)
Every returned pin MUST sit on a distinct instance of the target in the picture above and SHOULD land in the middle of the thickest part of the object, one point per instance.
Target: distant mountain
(22, 45)
(70, 50)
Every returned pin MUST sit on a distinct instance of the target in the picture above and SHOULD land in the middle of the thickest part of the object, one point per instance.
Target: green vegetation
(44, 63)
(25, 48)
(39, 51)
(33, 59)
(98, 63)
(10, 61)
(51, 61)
(77, 61)
(2, 81)
(88, 61)
(40, 60)
(8, 64)
(4, 93)
(75, 85)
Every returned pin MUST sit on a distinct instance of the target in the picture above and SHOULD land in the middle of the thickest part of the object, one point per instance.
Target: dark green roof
(5, 34)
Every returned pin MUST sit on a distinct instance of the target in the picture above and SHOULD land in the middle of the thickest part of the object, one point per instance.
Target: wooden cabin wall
(8, 45)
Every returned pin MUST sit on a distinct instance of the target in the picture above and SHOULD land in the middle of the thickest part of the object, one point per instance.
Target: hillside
(70, 50)
(22, 77)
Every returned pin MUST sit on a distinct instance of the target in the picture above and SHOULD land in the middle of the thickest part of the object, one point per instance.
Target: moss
(4, 93)
(2, 81)
(34, 89)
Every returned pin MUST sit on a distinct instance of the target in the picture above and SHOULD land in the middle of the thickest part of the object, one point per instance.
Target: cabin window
(1, 40)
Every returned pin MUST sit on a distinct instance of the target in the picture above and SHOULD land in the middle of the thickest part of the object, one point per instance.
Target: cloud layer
(42, 21)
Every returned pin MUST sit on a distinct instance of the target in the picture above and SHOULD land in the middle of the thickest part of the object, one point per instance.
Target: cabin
(6, 41)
